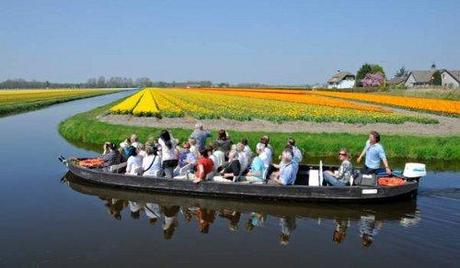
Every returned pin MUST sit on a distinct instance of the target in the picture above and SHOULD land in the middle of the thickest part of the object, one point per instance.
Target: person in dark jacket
(232, 169)
(111, 155)
(223, 143)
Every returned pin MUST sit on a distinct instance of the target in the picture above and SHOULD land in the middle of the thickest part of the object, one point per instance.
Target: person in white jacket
(169, 155)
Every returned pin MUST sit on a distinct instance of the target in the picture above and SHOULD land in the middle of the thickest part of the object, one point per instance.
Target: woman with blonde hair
(345, 171)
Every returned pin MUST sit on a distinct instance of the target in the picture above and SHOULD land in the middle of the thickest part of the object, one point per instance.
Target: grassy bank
(85, 127)
(24, 102)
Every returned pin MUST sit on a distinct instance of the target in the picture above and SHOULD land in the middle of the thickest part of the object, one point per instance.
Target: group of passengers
(225, 161)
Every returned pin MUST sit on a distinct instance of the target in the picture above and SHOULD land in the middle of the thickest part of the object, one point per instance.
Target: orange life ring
(391, 181)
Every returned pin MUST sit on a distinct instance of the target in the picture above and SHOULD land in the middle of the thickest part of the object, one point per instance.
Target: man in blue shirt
(288, 169)
(374, 154)
(256, 172)
(186, 156)
(200, 135)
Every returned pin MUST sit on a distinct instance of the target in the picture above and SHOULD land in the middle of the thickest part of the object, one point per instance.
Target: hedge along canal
(86, 128)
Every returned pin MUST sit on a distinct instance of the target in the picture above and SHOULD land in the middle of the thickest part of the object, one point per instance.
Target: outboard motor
(414, 171)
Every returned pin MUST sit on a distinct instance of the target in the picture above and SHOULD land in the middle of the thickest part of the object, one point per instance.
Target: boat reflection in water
(251, 214)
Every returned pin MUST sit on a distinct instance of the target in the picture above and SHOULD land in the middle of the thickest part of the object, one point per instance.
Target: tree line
(124, 82)
(103, 82)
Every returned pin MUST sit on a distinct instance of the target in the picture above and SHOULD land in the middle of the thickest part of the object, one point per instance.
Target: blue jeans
(331, 180)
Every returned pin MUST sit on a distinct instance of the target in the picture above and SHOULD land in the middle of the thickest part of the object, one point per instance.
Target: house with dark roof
(420, 78)
(341, 80)
(450, 78)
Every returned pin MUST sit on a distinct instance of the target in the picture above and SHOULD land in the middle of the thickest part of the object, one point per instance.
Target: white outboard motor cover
(414, 170)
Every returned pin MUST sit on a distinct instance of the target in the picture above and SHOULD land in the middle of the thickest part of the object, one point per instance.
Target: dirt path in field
(448, 126)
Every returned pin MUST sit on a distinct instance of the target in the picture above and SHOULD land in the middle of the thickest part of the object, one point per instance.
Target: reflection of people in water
(233, 216)
(368, 229)
(115, 207)
(288, 225)
(152, 211)
(187, 214)
(256, 220)
(206, 217)
(135, 208)
(340, 231)
(170, 221)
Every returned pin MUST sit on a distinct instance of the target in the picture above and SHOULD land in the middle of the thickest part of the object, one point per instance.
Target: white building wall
(346, 84)
(410, 81)
(448, 80)
(332, 86)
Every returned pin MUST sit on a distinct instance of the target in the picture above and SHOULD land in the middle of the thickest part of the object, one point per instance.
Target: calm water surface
(49, 218)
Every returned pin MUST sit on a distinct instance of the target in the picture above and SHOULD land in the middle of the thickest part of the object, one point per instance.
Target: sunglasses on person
(344, 154)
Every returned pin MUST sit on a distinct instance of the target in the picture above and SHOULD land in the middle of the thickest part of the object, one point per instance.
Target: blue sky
(289, 42)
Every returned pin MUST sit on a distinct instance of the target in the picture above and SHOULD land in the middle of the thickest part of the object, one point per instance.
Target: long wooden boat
(299, 192)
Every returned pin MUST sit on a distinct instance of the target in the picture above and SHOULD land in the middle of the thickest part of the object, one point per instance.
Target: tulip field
(242, 104)
(447, 107)
(14, 101)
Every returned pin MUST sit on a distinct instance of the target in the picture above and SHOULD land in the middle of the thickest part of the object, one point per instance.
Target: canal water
(50, 218)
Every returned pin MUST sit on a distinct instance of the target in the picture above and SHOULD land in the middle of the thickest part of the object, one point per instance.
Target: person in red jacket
(204, 166)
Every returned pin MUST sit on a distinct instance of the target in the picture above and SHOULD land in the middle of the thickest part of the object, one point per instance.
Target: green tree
(375, 68)
(437, 81)
(365, 69)
(101, 82)
(403, 72)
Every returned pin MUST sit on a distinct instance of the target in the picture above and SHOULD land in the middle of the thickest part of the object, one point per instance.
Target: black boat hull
(298, 193)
